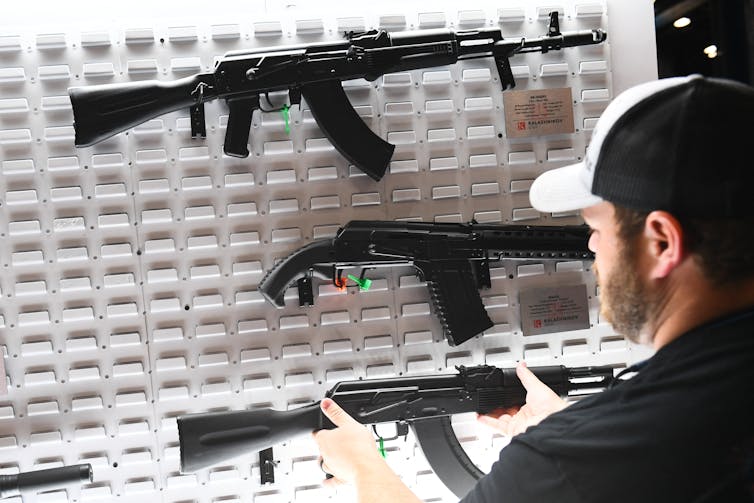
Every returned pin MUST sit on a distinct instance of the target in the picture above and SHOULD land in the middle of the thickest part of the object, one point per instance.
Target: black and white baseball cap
(682, 144)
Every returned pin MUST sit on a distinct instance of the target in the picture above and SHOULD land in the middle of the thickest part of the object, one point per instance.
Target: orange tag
(340, 283)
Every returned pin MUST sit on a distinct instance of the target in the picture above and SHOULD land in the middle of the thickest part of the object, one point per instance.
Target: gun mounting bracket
(305, 291)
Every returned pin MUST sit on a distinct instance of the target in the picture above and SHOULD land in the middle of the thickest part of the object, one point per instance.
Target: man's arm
(349, 454)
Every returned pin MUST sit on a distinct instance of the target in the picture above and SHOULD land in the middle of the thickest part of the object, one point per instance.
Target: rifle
(313, 71)
(452, 258)
(425, 403)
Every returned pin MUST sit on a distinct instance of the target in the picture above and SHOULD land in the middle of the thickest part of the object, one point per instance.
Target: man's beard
(625, 301)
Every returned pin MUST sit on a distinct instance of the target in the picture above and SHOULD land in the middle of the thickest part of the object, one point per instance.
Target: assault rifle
(314, 71)
(425, 403)
(452, 258)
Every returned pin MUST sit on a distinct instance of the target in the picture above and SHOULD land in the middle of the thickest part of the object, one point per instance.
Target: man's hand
(541, 401)
(347, 451)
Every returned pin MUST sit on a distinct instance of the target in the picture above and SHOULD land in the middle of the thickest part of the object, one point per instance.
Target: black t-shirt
(679, 431)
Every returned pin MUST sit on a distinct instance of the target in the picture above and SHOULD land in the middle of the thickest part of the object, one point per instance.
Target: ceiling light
(682, 22)
(710, 49)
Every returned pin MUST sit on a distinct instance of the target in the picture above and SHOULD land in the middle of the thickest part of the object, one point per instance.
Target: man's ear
(663, 236)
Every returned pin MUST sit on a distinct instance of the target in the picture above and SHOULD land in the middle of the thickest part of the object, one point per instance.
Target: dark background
(728, 24)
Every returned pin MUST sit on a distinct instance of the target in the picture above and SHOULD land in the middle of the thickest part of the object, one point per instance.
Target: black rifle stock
(314, 71)
(424, 403)
(99, 110)
(452, 258)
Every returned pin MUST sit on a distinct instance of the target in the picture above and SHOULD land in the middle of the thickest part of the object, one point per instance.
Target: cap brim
(563, 189)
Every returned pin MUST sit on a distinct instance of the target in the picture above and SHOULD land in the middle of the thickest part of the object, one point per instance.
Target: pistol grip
(505, 72)
(239, 123)
(457, 303)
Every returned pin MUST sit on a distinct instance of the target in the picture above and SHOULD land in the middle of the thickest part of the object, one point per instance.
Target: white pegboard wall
(129, 269)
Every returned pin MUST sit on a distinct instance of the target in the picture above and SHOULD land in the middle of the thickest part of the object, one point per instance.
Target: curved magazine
(344, 128)
(445, 454)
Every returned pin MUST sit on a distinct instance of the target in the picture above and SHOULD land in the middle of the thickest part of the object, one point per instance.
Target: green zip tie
(286, 115)
(364, 284)
(381, 448)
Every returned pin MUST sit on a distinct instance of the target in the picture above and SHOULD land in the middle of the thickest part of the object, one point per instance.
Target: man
(667, 187)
